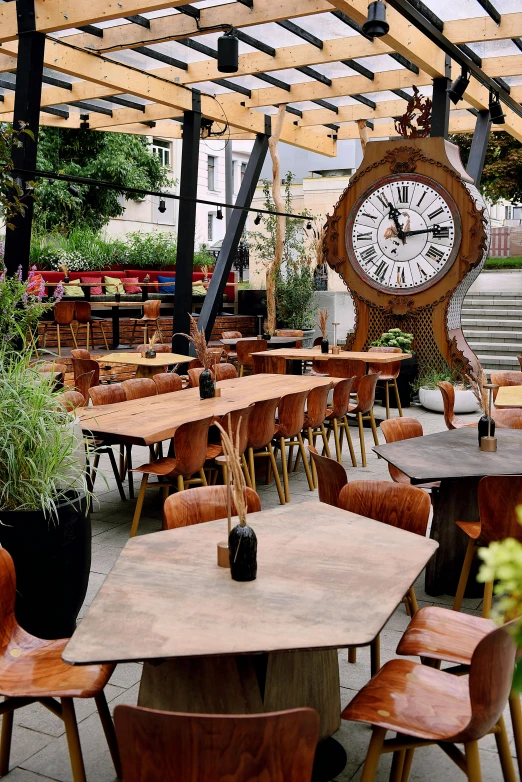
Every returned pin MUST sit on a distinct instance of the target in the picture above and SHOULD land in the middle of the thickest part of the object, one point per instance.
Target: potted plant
(295, 298)
(396, 338)
(430, 396)
(44, 519)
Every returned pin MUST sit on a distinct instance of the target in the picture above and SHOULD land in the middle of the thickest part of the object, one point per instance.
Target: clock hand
(394, 215)
(434, 228)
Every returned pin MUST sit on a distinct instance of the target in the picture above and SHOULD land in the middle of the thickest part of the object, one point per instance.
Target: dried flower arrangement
(153, 340)
(477, 380)
(323, 322)
(197, 338)
(236, 477)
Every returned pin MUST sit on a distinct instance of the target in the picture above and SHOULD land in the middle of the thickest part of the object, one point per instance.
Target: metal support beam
(441, 103)
(214, 297)
(188, 188)
(26, 109)
(479, 145)
(229, 180)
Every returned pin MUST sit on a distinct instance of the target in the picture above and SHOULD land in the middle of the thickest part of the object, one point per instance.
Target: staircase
(492, 325)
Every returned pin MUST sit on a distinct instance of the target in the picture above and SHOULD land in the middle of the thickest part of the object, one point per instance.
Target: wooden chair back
(139, 387)
(291, 333)
(387, 370)
(107, 395)
(71, 400)
(83, 365)
(395, 429)
(508, 419)
(331, 477)
(8, 623)
(231, 335)
(193, 376)
(366, 393)
(396, 504)
(261, 425)
(63, 312)
(448, 400)
(206, 503)
(151, 309)
(83, 383)
(341, 397)
(82, 311)
(316, 405)
(498, 499)
(195, 363)
(520, 361)
(162, 746)
(347, 367)
(158, 347)
(505, 377)
(236, 424)
(190, 445)
(51, 366)
(166, 382)
(246, 347)
(80, 353)
(291, 413)
(271, 365)
(224, 371)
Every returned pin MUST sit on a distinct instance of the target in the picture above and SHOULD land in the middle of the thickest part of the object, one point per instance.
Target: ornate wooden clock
(408, 237)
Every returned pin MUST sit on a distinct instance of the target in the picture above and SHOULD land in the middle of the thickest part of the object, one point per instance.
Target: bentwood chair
(162, 746)
(110, 395)
(84, 317)
(224, 371)
(504, 419)
(313, 427)
(395, 429)
(337, 420)
(346, 368)
(427, 706)
(401, 506)
(236, 424)
(190, 446)
(63, 314)
(331, 477)
(206, 503)
(158, 347)
(438, 635)
(291, 333)
(271, 365)
(82, 366)
(363, 410)
(80, 353)
(505, 377)
(139, 388)
(83, 384)
(32, 671)
(245, 349)
(388, 375)
(72, 400)
(261, 429)
(230, 352)
(149, 319)
(498, 499)
(291, 416)
(166, 382)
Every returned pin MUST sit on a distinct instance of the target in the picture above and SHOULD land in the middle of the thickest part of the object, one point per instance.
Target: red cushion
(129, 283)
(34, 283)
(96, 290)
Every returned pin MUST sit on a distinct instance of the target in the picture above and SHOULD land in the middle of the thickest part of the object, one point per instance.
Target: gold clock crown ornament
(408, 237)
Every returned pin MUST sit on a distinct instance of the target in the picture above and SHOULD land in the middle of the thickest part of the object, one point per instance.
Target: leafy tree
(502, 175)
(123, 159)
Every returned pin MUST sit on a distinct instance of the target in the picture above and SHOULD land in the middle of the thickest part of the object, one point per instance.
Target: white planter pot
(431, 399)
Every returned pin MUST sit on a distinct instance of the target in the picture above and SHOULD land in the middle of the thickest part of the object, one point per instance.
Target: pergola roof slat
(301, 33)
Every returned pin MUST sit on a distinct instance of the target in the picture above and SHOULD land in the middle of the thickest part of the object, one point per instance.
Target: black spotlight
(495, 109)
(257, 220)
(459, 86)
(162, 206)
(376, 25)
(228, 53)
(219, 214)
(73, 190)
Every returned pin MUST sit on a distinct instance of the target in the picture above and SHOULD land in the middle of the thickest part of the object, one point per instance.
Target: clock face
(403, 233)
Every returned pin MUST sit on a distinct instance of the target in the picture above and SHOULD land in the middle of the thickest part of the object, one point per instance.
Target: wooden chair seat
(403, 428)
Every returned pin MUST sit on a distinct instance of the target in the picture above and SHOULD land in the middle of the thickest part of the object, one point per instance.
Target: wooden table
(455, 459)
(146, 366)
(298, 355)
(276, 342)
(509, 396)
(327, 579)
(156, 418)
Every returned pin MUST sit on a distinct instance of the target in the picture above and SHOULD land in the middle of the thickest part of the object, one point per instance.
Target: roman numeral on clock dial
(402, 194)
(435, 253)
(367, 237)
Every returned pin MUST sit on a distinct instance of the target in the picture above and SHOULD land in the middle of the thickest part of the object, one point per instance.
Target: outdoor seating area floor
(39, 748)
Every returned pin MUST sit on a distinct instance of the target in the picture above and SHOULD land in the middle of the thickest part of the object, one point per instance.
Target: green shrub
(149, 250)
(394, 338)
(503, 263)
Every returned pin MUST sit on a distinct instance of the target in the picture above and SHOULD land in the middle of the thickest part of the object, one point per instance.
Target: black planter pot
(242, 552)
(483, 427)
(206, 385)
(324, 346)
(150, 353)
(52, 560)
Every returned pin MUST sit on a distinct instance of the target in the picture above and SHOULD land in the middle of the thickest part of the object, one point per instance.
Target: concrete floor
(39, 747)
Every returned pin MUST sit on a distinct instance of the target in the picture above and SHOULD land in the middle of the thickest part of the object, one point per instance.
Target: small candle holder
(223, 556)
(217, 391)
(336, 350)
(489, 443)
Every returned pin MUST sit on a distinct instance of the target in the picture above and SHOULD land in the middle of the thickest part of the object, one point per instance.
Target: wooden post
(273, 268)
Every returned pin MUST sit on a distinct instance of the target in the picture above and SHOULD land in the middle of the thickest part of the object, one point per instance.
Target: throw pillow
(166, 288)
(199, 290)
(113, 285)
(34, 284)
(129, 283)
(73, 289)
(96, 290)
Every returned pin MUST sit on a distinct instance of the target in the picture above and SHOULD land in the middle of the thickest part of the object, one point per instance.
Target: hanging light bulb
(258, 219)
(495, 109)
(219, 214)
(228, 52)
(376, 25)
(162, 208)
(459, 86)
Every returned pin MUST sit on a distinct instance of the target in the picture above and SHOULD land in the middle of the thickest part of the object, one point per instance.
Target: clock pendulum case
(408, 236)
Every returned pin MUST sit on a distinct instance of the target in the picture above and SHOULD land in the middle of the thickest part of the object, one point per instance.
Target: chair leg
(252, 468)
(397, 397)
(375, 655)
(306, 466)
(58, 339)
(338, 454)
(139, 505)
(116, 473)
(473, 761)
(5, 742)
(408, 760)
(246, 472)
(387, 398)
(504, 754)
(285, 469)
(463, 580)
(203, 477)
(374, 428)
(516, 721)
(132, 335)
(352, 654)
(488, 599)
(130, 474)
(104, 335)
(326, 446)
(108, 729)
(413, 600)
(122, 462)
(73, 740)
(73, 336)
(397, 765)
(373, 755)
(276, 474)
(349, 441)
(361, 437)
(180, 483)
(241, 368)
(88, 332)
(314, 470)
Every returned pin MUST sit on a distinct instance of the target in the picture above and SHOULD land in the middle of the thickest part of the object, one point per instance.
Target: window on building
(211, 169)
(163, 149)
(210, 227)
(509, 212)
(243, 170)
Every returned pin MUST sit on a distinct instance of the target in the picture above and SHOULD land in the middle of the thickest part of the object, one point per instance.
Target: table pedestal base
(247, 684)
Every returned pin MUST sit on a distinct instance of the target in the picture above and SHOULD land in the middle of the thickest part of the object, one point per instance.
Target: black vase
(206, 385)
(268, 337)
(483, 427)
(324, 346)
(242, 551)
(150, 353)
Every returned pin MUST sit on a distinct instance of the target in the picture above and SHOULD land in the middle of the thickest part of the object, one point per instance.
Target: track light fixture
(495, 109)
(73, 190)
(459, 86)
(257, 219)
(219, 214)
(162, 208)
(228, 52)
(376, 25)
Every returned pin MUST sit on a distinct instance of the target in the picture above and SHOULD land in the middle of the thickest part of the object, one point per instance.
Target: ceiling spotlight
(162, 208)
(308, 225)
(376, 25)
(459, 86)
(219, 214)
(228, 52)
(73, 190)
(257, 220)
(495, 109)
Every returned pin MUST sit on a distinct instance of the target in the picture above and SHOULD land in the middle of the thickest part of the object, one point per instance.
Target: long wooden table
(509, 396)
(156, 418)
(314, 354)
(327, 579)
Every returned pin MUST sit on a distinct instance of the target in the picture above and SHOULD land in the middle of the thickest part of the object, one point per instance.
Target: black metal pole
(479, 146)
(188, 187)
(214, 297)
(441, 103)
(27, 110)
